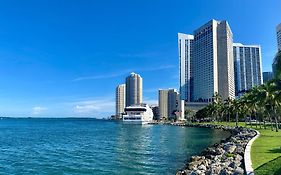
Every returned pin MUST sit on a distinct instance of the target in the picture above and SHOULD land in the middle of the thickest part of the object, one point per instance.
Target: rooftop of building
(185, 36)
(242, 45)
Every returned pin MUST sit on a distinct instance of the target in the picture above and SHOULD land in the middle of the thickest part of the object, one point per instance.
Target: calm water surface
(88, 146)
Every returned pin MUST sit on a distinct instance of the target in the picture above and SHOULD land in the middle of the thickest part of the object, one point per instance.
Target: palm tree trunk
(251, 120)
(260, 121)
(271, 123)
(256, 120)
(236, 119)
(276, 121)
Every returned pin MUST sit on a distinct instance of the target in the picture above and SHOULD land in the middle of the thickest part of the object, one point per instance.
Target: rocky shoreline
(224, 158)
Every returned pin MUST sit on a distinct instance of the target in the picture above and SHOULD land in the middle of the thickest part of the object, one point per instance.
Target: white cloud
(38, 110)
(124, 72)
(105, 76)
(93, 106)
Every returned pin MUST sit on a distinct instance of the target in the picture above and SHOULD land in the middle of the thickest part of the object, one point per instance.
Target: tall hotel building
(248, 68)
(120, 100)
(185, 51)
(211, 59)
(133, 89)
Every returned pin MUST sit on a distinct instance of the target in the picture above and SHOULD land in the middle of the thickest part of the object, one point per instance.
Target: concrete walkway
(247, 155)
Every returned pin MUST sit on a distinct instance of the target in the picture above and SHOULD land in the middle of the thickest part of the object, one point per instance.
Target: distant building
(248, 67)
(163, 104)
(278, 33)
(206, 62)
(133, 89)
(267, 76)
(185, 45)
(168, 103)
(120, 100)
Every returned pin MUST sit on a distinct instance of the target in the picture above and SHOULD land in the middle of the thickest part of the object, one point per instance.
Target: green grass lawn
(266, 148)
(265, 151)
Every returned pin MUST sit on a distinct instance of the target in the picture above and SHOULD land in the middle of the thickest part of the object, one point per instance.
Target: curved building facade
(133, 90)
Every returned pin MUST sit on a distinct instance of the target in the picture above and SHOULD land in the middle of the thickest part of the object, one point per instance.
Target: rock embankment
(224, 158)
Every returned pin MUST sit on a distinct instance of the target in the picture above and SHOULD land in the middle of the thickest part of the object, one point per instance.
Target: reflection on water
(87, 146)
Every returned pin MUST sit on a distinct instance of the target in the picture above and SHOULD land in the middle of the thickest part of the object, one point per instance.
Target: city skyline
(65, 59)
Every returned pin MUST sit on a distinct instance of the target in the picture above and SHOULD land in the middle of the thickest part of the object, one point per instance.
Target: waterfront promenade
(264, 152)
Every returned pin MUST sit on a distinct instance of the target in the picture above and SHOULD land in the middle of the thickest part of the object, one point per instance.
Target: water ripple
(85, 146)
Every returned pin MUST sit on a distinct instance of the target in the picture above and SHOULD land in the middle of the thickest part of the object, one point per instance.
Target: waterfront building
(133, 90)
(212, 59)
(267, 76)
(278, 33)
(168, 103)
(120, 100)
(248, 67)
(185, 46)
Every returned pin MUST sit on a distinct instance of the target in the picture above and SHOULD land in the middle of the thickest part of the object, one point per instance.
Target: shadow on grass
(272, 167)
(275, 150)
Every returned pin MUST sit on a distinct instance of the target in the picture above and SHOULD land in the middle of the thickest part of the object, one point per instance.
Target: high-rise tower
(120, 100)
(185, 45)
(278, 33)
(133, 89)
(248, 67)
(212, 59)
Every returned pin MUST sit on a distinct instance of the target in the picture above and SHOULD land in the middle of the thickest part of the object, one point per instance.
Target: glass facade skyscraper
(248, 67)
(267, 76)
(278, 33)
(185, 45)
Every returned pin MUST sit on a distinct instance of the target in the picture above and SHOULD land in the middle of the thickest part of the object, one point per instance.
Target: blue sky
(65, 58)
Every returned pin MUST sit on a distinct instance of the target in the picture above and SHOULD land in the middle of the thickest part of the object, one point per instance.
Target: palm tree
(217, 103)
(254, 102)
(236, 108)
(228, 103)
(271, 94)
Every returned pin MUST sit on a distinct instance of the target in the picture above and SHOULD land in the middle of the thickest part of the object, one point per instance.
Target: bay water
(72, 146)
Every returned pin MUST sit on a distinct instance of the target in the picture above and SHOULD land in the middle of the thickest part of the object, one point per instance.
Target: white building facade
(212, 62)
